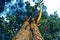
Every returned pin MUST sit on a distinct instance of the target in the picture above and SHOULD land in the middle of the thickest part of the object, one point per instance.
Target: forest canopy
(11, 22)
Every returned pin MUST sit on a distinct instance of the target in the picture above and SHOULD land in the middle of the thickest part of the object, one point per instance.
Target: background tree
(12, 22)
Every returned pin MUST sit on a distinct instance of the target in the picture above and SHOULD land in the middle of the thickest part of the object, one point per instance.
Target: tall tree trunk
(36, 33)
(26, 34)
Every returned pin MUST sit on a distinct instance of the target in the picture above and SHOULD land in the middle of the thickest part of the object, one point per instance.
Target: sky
(52, 6)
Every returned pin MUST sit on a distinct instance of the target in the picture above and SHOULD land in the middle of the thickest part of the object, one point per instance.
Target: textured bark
(36, 33)
(25, 33)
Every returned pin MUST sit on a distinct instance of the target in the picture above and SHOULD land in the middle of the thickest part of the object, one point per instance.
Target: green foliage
(50, 25)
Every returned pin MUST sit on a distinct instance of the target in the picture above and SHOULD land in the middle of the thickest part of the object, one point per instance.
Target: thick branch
(39, 17)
